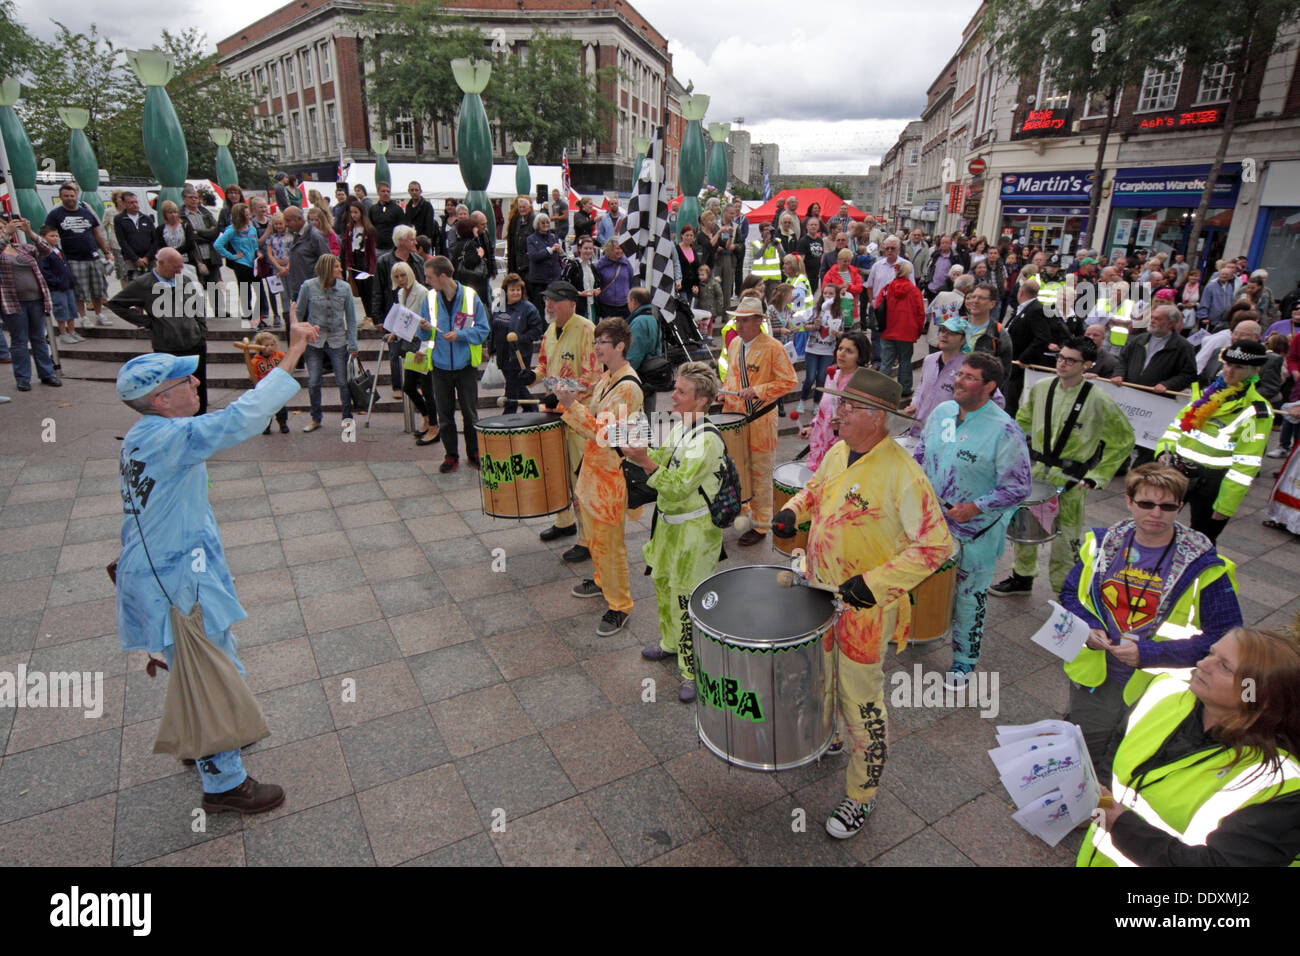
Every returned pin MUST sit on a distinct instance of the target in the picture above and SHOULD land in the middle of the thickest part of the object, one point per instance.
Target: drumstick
(512, 338)
(788, 579)
(501, 401)
(246, 346)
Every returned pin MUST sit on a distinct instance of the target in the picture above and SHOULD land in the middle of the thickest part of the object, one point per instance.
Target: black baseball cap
(561, 291)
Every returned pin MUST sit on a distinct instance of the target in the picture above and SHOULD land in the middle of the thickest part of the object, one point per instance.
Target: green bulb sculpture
(474, 137)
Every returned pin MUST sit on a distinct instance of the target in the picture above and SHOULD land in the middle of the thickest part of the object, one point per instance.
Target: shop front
(1276, 243)
(1045, 209)
(1152, 208)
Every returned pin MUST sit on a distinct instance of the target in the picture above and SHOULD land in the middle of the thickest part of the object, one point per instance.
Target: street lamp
(523, 180)
(164, 140)
(474, 136)
(226, 172)
(21, 171)
(691, 162)
(81, 157)
(718, 132)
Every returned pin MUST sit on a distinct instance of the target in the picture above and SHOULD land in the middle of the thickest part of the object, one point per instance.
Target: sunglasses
(1168, 507)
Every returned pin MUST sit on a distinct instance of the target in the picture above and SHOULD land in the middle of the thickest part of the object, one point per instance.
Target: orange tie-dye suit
(570, 353)
(771, 376)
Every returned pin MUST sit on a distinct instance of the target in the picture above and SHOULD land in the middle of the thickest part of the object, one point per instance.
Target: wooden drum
(933, 599)
(788, 480)
(525, 467)
(735, 435)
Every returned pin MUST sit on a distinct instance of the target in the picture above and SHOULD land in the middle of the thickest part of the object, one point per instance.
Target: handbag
(360, 383)
(208, 708)
(639, 492)
(493, 377)
(656, 374)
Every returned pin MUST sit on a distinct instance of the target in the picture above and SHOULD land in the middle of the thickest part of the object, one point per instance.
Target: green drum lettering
(749, 708)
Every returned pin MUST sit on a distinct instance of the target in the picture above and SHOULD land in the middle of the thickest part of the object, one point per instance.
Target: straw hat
(749, 306)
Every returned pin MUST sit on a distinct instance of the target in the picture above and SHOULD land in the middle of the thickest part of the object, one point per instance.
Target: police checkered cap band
(1246, 352)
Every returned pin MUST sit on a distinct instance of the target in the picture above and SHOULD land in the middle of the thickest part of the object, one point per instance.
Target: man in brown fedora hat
(758, 372)
(878, 530)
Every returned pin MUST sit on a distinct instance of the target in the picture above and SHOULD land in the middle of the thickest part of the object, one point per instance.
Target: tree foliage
(1096, 47)
(86, 70)
(17, 47)
(82, 70)
(542, 96)
(412, 46)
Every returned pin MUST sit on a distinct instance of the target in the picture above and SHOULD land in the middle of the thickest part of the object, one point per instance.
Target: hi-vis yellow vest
(422, 361)
(1186, 798)
(1180, 624)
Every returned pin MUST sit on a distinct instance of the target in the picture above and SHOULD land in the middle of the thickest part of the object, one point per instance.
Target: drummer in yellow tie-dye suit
(877, 531)
(760, 371)
(604, 422)
(567, 352)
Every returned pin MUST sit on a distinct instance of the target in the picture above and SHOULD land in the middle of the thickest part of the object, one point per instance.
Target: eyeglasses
(1168, 507)
(604, 342)
(184, 381)
(1062, 360)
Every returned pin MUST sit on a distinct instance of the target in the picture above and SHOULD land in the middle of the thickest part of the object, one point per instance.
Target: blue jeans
(315, 359)
(902, 351)
(814, 367)
(28, 326)
(223, 771)
(65, 304)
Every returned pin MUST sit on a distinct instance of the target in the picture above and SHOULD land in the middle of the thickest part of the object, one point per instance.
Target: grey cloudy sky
(833, 82)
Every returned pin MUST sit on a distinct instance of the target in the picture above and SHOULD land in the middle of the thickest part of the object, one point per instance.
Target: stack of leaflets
(1048, 772)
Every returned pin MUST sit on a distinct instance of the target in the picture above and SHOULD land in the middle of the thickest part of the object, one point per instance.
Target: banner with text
(1148, 413)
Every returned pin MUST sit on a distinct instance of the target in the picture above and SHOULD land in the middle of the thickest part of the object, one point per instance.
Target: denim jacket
(332, 310)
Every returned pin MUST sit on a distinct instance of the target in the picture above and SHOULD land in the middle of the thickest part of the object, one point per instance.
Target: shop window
(1094, 106)
(402, 133)
(1216, 84)
(1050, 96)
(1159, 90)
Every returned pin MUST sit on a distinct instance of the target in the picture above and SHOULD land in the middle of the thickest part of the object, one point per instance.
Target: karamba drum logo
(725, 694)
(495, 472)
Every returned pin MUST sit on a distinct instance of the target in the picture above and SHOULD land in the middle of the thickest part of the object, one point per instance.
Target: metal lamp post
(692, 160)
(718, 132)
(164, 140)
(21, 174)
(474, 137)
(523, 179)
(226, 173)
(382, 172)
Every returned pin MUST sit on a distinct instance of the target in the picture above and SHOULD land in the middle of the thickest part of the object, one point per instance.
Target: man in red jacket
(900, 310)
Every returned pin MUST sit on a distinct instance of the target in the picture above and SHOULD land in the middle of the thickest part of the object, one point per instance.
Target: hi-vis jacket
(1194, 612)
(1191, 806)
(470, 321)
(767, 260)
(879, 518)
(1233, 442)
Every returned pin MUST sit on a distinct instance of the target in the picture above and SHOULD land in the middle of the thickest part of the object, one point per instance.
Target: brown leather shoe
(249, 797)
(750, 537)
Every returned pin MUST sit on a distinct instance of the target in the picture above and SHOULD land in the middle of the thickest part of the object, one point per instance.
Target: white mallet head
(742, 523)
(501, 401)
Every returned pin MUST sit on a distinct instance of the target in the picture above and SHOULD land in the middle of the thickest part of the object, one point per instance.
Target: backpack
(726, 503)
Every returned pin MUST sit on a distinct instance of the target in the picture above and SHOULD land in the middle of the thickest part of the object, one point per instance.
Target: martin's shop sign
(1068, 186)
(1161, 186)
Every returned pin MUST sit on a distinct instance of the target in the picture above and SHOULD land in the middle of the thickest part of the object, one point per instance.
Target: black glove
(856, 593)
(527, 378)
(551, 402)
(783, 525)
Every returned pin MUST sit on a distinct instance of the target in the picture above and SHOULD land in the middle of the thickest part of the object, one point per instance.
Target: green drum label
(725, 694)
(515, 468)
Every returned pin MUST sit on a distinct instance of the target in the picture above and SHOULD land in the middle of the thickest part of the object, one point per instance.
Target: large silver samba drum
(1035, 521)
(764, 683)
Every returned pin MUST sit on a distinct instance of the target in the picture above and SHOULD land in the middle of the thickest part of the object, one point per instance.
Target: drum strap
(1050, 455)
(751, 404)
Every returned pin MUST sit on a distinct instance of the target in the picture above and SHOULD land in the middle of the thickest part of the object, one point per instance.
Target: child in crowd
(63, 291)
(259, 362)
(710, 300)
(277, 242)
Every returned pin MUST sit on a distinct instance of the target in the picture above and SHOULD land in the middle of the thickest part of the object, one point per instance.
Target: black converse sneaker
(1012, 584)
(849, 817)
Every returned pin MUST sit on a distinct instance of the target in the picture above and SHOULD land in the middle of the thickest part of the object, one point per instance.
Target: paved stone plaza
(476, 691)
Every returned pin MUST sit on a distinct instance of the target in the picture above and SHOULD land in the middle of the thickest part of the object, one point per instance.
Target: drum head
(727, 419)
(519, 420)
(792, 474)
(746, 606)
(1040, 491)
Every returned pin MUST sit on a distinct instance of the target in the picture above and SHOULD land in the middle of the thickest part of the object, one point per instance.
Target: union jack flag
(564, 166)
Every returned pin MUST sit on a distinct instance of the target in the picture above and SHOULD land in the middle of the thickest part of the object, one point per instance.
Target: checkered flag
(647, 236)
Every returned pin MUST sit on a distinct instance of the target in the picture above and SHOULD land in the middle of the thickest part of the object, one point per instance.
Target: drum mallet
(512, 338)
(788, 579)
(502, 400)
